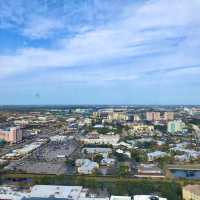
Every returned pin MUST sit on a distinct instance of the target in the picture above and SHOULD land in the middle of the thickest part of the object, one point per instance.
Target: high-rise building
(11, 135)
(168, 116)
(175, 126)
(153, 116)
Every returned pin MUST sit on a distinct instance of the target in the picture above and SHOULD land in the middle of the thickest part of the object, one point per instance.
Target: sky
(99, 52)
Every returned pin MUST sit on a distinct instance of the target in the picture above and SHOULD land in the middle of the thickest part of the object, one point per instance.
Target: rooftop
(193, 189)
(45, 191)
(147, 197)
(120, 198)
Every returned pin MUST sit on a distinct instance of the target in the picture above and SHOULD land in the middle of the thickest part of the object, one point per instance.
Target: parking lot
(49, 158)
(54, 151)
(42, 167)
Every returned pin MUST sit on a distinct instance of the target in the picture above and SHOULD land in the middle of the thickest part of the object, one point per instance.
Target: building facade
(191, 192)
(153, 116)
(175, 126)
(168, 116)
(11, 135)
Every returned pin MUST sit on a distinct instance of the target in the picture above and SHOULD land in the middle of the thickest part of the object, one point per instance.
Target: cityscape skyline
(99, 52)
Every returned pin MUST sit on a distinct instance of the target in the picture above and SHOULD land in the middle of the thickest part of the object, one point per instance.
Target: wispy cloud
(42, 27)
(141, 38)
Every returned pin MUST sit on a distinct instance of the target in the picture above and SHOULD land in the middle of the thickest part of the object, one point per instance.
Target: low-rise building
(50, 192)
(108, 161)
(147, 197)
(191, 192)
(58, 138)
(8, 193)
(124, 152)
(86, 166)
(101, 139)
(187, 154)
(28, 148)
(142, 128)
(155, 155)
(149, 169)
(120, 197)
(45, 192)
(103, 151)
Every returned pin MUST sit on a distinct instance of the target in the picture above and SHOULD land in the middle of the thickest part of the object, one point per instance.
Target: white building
(147, 197)
(175, 126)
(155, 155)
(108, 161)
(120, 197)
(62, 192)
(124, 144)
(58, 138)
(7, 193)
(136, 117)
(46, 191)
(103, 151)
(86, 166)
(149, 169)
(101, 139)
(29, 147)
(127, 153)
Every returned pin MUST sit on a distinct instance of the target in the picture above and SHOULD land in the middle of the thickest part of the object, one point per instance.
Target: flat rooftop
(120, 197)
(45, 191)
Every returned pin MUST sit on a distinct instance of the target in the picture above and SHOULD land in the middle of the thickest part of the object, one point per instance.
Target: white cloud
(153, 28)
(41, 27)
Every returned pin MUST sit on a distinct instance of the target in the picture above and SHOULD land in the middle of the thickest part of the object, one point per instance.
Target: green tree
(139, 156)
(98, 158)
(123, 170)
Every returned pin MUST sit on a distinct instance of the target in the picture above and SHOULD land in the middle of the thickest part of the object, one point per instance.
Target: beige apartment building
(119, 116)
(168, 116)
(191, 192)
(153, 116)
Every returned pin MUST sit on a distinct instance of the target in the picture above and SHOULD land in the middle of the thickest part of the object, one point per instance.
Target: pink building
(168, 116)
(11, 135)
(153, 116)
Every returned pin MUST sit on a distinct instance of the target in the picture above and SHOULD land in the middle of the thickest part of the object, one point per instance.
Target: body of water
(188, 174)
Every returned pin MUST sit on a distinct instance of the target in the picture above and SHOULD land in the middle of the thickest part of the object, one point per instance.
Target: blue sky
(99, 52)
